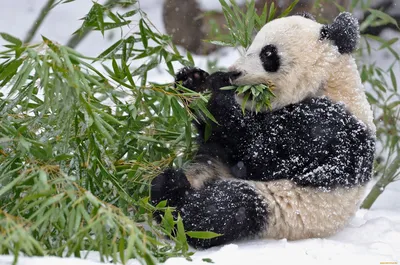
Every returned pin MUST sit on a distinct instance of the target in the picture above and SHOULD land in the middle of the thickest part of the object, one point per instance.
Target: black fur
(194, 78)
(314, 143)
(230, 208)
(270, 58)
(171, 185)
(344, 32)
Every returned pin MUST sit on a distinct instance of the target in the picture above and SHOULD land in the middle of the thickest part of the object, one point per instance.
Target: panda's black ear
(344, 32)
(306, 15)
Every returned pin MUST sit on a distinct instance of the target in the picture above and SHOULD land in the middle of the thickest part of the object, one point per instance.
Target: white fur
(309, 67)
(344, 85)
(296, 212)
(199, 173)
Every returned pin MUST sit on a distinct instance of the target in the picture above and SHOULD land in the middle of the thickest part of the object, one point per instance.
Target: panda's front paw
(169, 185)
(192, 78)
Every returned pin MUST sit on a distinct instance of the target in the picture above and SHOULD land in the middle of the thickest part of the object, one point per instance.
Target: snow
(372, 237)
(208, 5)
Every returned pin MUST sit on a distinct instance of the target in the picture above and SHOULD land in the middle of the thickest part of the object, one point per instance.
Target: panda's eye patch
(270, 58)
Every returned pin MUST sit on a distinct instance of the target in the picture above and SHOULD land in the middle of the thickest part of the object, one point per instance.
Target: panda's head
(299, 56)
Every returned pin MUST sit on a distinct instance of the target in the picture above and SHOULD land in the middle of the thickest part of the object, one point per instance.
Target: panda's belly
(296, 212)
(281, 154)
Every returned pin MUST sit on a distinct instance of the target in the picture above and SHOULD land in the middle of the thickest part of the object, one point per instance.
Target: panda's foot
(169, 185)
(192, 78)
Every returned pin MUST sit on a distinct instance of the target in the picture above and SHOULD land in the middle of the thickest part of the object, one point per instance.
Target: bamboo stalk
(390, 175)
(375, 192)
(39, 20)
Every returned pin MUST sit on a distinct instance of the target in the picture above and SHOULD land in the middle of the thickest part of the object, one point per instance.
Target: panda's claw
(192, 78)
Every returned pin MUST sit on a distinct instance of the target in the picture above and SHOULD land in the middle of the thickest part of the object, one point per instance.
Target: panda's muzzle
(234, 75)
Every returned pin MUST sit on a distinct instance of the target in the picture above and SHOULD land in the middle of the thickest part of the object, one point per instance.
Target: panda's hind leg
(232, 208)
(227, 207)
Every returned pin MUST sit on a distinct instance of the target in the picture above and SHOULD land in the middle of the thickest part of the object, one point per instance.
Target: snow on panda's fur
(298, 171)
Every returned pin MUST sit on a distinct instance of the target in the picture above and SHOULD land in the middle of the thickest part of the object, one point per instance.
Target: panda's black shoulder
(321, 113)
(321, 110)
(314, 105)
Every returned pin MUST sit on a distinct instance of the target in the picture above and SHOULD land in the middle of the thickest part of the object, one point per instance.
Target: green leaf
(388, 43)
(143, 34)
(121, 250)
(385, 17)
(228, 87)
(204, 109)
(111, 50)
(394, 79)
(181, 236)
(394, 104)
(108, 25)
(99, 16)
(130, 13)
(168, 221)
(271, 13)
(354, 3)
(207, 131)
(190, 58)
(90, 20)
(51, 45)
(245, 99)
(289, 9)
(10, 69)
(11, 39)
(202, 234)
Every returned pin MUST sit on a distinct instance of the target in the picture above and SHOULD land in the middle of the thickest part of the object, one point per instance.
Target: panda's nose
(234, 75)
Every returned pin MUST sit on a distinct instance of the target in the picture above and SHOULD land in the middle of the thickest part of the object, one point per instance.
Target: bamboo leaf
(202, 234)
(289, 9)
(143, 34)
(393, 78)
(11, 39)
(385, 17)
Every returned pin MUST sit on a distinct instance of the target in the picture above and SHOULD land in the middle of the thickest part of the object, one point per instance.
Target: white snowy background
(372, 237)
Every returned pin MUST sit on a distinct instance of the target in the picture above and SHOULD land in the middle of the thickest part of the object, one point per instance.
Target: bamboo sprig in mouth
(260, 95)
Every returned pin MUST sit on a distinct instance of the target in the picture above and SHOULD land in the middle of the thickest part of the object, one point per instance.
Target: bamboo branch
(38, 22)
(77, 38)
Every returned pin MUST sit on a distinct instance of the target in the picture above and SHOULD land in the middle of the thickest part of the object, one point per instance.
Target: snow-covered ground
(372, 237)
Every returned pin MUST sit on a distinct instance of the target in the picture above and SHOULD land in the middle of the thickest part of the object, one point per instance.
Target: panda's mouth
(233, 76)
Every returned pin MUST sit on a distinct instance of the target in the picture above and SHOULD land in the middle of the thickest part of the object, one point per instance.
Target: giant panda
(296, 171)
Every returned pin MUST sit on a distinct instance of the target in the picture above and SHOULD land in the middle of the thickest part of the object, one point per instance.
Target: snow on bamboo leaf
(260, 95)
